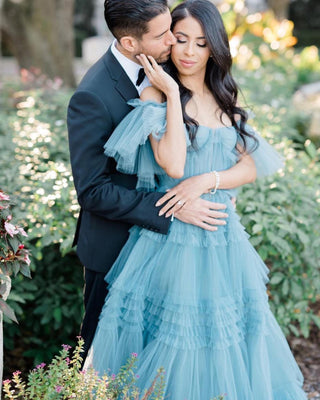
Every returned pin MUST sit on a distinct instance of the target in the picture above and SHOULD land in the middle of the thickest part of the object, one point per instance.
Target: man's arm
(90, 125)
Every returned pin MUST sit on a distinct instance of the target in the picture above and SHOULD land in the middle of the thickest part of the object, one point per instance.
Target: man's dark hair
(131, 17)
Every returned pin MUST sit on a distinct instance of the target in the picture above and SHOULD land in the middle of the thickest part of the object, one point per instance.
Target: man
(110, 205)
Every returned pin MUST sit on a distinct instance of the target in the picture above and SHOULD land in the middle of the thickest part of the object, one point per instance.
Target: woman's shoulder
(151, 93)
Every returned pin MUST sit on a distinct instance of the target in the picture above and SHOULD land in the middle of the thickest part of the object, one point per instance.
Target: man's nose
(170, 40)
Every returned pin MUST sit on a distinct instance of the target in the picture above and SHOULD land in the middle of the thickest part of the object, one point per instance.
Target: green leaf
(14, 243)
(276, 278)
(257, 228)
(303, 237)
(294, 330)
(25, 270)
(7, 310)
(297, 289)
(285, 287)
(311, 149)
(15, 267)
(316, 320)
(57, 314)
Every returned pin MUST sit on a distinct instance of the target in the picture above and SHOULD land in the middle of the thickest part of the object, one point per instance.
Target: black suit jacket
(110, 205)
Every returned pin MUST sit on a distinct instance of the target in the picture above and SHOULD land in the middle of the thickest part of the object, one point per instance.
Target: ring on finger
(180, 202)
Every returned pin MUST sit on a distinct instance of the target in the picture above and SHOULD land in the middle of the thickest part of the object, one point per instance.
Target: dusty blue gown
(192, 301)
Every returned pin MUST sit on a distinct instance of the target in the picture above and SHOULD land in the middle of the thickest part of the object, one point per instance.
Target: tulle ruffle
(214, 149)
(129, 144)
(188, 310)
(267, 160)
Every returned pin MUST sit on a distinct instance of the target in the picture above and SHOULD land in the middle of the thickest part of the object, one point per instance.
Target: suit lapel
(122, 82)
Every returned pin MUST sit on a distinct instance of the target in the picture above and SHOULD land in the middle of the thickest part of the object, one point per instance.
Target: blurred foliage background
(281, 213)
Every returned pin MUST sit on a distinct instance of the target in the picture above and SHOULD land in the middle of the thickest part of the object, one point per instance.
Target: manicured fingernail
(160, 213)
(157, 204)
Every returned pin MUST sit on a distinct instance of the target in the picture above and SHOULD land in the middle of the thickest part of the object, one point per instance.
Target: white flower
(4, 196)
(11, 229)
(22, 231)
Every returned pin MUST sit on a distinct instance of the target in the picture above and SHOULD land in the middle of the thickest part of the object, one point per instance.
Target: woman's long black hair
(218, 76)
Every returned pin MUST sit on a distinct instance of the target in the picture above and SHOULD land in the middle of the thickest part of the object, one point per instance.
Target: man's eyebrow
(161, 34)
(184, 34)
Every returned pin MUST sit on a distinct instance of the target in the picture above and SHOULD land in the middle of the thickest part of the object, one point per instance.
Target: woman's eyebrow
(184, 34)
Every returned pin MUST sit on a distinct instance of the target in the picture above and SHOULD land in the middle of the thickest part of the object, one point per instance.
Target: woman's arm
(171, 150)
(186, 191)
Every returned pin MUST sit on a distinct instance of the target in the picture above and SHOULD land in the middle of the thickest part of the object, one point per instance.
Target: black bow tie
(141, 76)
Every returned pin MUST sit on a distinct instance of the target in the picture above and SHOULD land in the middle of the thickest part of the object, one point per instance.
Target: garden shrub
(36, 171)
(281, 214)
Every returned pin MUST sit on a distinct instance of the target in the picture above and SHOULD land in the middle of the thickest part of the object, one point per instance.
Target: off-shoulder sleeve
(129, 144)
(266, 158)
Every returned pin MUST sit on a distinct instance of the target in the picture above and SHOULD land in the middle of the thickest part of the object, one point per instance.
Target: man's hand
(202, 213)
(184, 202)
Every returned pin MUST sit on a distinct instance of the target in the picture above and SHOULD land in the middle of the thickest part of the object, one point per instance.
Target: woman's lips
(187, 63)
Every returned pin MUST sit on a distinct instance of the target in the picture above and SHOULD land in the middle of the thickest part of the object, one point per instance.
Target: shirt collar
(131, 68)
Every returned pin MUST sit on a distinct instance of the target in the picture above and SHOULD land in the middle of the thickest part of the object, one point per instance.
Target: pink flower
(11, 229)
(22, 231)
(113, 377)
(6, 382)
(68, 360)
(16, 373)
(4, 197)
(42, 365)
(66, 347)
(26, 259)
(59, 388)
(134, 355)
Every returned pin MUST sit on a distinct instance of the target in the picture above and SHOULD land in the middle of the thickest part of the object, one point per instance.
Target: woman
(194, 301)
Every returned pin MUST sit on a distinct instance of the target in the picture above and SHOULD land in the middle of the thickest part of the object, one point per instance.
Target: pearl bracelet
(217, 183)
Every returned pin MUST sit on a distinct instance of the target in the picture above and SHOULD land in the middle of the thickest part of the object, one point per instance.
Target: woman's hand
(185, 192)
(157, 76)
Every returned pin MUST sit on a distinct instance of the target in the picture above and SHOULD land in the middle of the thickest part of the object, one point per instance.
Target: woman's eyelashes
(198, 44)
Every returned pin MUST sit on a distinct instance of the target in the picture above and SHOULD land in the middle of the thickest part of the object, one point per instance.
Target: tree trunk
(280, 8)
(40, 35)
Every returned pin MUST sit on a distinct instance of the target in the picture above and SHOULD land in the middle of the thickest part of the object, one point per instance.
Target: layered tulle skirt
(194, 302)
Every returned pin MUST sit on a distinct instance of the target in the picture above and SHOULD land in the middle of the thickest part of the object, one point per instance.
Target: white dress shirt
(131, 68)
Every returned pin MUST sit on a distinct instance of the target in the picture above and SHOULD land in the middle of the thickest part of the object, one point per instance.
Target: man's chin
(163, 58)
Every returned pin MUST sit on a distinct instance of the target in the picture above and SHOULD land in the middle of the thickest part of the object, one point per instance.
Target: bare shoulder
(151, 93)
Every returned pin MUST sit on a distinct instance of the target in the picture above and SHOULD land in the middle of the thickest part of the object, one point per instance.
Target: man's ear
(129, 43)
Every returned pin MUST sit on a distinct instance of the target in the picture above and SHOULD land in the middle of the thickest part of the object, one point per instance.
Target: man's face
(159, 39)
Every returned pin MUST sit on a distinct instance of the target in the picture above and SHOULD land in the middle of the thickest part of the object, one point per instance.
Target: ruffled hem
(260, 366)
(202, 314)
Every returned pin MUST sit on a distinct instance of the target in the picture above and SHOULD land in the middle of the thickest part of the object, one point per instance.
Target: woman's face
(190, 54)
